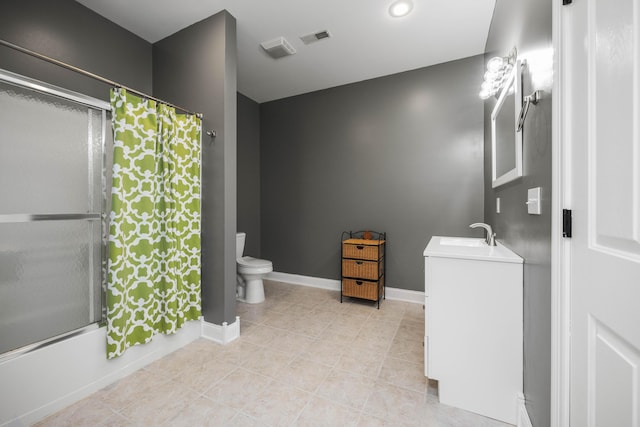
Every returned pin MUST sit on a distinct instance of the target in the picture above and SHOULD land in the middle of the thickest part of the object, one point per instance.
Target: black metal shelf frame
(376, 235)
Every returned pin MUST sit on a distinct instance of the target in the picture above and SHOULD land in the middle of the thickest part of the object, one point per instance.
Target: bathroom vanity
(473, 325)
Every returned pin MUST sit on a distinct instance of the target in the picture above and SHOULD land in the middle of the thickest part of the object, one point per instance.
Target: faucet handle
(491, 240)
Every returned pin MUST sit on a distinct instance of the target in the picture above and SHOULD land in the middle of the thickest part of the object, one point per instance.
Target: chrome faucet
(491, 236)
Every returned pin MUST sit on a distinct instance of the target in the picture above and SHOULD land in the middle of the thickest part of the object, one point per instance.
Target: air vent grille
(278, 48)
(314, 37)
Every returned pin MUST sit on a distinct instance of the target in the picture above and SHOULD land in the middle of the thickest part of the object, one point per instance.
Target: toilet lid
(253, 262)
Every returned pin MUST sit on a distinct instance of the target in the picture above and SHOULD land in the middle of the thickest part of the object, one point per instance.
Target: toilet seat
(253, 262)
(250, 265)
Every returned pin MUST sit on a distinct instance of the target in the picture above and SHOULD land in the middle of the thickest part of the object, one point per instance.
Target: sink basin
(469, 248)
(462, 241)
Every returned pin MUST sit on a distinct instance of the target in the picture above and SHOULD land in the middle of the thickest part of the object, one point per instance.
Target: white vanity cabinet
(473, 325)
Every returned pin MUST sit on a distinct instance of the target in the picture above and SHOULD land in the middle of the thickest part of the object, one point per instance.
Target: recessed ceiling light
(400, 8)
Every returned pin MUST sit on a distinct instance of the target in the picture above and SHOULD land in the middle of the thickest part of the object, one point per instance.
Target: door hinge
(566, 2)
(566, 222)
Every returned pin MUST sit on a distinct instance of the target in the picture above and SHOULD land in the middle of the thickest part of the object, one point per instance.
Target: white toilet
(250, 272)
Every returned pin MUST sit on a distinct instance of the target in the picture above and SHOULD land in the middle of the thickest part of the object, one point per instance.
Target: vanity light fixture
(498, 69)
(400, 8)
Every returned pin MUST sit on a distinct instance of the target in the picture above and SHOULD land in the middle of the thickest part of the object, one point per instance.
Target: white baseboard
(222, 334)
(334, 285)
(296, 279)
(405, 295)
(523, 415)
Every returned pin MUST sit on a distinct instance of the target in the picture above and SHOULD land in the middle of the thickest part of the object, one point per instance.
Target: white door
(601, 78)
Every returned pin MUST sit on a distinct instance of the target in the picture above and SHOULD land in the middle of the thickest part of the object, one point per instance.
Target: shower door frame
(105, 107)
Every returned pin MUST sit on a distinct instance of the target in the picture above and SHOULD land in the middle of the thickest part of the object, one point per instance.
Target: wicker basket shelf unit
(363, 265)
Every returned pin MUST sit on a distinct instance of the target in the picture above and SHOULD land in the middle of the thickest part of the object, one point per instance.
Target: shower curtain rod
(93, 76)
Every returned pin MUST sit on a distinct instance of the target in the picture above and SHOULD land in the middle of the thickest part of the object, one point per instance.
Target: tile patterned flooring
(303, 359)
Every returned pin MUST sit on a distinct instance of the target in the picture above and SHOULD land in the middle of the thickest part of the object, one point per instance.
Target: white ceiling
(366, 41)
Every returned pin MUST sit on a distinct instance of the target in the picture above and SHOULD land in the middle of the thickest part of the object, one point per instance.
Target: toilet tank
(240, 244)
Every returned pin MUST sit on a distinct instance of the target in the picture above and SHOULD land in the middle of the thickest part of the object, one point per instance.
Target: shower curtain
(153, 270)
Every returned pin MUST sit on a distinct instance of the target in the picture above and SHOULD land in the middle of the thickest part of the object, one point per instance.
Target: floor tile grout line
(315, 394)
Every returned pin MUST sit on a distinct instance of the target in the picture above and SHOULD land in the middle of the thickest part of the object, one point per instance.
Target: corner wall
(249, 173)
(196, 68)
(526, 24)
(401, 154)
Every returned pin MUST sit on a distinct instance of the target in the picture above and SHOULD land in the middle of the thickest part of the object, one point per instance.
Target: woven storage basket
(364, 289)
(362, 249)
(361, 269)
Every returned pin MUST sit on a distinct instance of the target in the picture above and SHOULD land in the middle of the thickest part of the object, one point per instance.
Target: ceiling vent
(314, 37)
(277, 48)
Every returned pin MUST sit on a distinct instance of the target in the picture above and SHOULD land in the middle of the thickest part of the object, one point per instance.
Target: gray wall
(401, 154)
(196, 68)
(526, 24)
(69, 32)
(249, 173)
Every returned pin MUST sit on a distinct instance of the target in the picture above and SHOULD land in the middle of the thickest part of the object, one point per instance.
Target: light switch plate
(497, 204)
(533, 201)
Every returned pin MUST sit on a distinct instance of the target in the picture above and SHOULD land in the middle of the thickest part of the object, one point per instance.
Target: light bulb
(495, 64)
(400, 8)
(484, 94)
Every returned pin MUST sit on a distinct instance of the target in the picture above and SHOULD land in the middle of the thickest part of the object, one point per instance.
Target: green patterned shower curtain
(153, 272)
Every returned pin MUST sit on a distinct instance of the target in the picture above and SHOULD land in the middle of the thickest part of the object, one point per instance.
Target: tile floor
(302, 359)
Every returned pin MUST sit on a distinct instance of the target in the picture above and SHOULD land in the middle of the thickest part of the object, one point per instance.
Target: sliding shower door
(51, 211)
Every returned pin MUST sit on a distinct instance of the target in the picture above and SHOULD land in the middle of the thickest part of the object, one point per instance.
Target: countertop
(469, 248)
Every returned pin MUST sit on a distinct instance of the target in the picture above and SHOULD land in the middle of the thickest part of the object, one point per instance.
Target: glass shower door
(51, 205)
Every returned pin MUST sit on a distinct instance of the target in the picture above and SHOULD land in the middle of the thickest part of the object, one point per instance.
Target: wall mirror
(506, 141)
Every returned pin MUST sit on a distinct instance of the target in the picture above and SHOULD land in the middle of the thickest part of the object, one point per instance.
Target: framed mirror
(506, 141)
